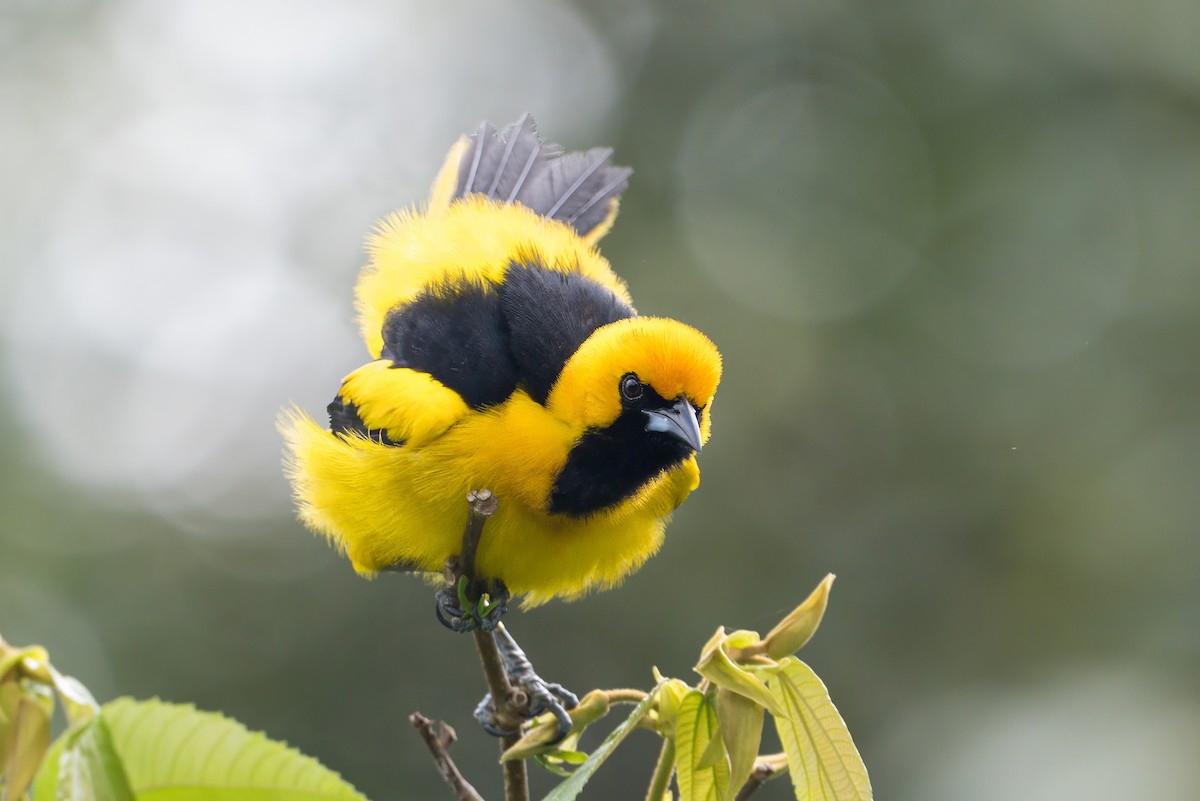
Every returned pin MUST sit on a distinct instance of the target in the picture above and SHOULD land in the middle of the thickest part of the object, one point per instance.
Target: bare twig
(767, 767)
(506, 699)
(483, 505)
(439, 742)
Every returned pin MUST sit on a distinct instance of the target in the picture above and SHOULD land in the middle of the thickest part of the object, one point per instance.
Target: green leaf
(718, 667)
(77, 702)
(536, 741)
(176, 753)
(699, 779)
(741, 722)
(171, 752)
(572, 787)
(800, 625)
(83, 766)
(10, 703)
(570, 757)
(822, 760)
(554, 761)
(45, 786)
(24, 737)
(28, 661)
(713, 753)
(670, 695)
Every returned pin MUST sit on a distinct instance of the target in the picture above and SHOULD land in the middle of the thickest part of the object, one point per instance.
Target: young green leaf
(84, 766)
(29, 661)
(790, 635)
(536, 741)
(741, 724)
(77, 701)
(717, 666)
(28, 684)
(45, 785)
(822, 759)
(699, 779)
(570, 789)
(554, 762)
(24, 735)
(670, 696)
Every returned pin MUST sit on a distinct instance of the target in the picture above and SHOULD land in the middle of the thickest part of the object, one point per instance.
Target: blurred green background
(949, 252)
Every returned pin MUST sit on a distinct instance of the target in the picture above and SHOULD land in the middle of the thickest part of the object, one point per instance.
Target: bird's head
(638, 393)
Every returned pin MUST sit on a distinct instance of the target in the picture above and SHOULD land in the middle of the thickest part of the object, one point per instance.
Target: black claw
(543, 696)
(570, 700)
(498, 598)
(485, 713)
(451, 614)
(548, 703)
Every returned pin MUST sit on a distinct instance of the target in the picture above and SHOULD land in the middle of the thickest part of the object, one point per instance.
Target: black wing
(484, 340)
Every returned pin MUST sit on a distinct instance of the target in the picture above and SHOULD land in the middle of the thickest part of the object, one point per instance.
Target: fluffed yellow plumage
(507, 354)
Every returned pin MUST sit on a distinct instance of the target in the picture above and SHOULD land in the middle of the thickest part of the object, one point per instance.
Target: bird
(505, 353)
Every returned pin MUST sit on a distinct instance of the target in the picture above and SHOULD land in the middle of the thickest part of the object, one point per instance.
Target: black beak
(679, 421)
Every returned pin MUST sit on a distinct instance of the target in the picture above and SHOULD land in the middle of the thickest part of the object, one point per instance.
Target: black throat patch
(610, 464)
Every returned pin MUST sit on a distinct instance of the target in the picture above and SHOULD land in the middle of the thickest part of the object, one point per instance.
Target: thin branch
(439, 742)
(516, 777)
(766, 767)
(506, 699)
(483, 505)
(497, 679)
(625, 696)
(664, 769)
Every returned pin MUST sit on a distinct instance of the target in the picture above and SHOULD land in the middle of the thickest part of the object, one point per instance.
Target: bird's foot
(533, 695)
(464, 607)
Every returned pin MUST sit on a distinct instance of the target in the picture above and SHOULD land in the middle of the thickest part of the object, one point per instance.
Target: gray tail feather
(514, 166)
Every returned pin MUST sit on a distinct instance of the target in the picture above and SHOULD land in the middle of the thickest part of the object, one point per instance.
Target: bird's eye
(631, 388)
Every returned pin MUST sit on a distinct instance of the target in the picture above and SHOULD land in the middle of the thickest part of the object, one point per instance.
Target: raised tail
(514, 166)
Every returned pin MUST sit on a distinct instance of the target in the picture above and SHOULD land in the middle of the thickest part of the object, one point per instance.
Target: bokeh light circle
(1037, 254)
(804, 187)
